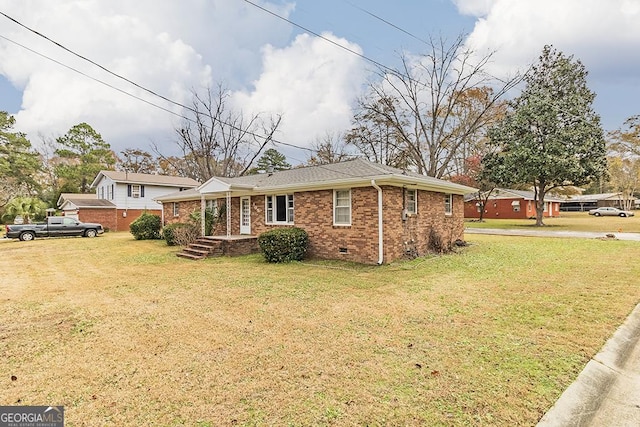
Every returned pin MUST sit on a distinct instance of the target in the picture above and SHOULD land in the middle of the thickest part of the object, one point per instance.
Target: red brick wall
(502, 208)
(106, 217)
(314, 213)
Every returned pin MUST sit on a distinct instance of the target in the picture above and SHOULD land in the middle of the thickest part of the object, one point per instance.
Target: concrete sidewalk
(552, 233)
(607, 391)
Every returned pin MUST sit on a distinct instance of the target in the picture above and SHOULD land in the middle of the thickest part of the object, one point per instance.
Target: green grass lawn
(124, 333)
(568, 221)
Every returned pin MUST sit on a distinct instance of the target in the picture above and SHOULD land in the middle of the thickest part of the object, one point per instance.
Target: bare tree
(436, 105)
(219, 141)
(375, 133)
(329, 149)
(137, 161)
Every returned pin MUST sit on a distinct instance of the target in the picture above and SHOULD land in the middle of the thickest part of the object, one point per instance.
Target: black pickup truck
(56, 226)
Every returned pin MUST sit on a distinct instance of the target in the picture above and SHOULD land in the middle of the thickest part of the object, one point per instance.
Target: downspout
(203, 212)
(380, 223)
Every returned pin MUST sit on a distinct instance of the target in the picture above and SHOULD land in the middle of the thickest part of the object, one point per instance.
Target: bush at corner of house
(180, 233)
(284, 244)
(146, 227)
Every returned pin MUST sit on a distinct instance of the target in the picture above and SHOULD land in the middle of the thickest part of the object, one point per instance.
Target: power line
(366, 58)
(386, 22)
(191, 109)
(93, 78)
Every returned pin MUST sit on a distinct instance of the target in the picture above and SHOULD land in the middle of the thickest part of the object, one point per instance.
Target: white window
(515, 205)
(412, 201)
(110, 192)
(279, 209)
(135, 191)
(176, 209)
(342, 207)
(212, 206)
(448, 204)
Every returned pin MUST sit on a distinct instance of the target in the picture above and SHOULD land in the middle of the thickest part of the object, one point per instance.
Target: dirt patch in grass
(123, 332)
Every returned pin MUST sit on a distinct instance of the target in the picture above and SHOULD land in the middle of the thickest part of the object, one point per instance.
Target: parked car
(56, 226)
(606, 211)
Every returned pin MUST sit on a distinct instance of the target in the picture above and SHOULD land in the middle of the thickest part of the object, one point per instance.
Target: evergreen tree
(550, 137)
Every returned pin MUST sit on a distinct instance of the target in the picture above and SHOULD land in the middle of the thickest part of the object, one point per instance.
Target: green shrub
(284, 244)
(146, 227)
(180, 233)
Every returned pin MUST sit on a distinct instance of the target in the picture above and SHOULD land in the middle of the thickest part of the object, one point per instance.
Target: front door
(245, 215)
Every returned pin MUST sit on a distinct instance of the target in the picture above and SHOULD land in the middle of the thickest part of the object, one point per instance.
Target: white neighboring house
(121, 197)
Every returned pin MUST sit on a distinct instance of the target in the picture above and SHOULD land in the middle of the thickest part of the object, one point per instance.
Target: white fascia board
(215, 185)
(393, 180)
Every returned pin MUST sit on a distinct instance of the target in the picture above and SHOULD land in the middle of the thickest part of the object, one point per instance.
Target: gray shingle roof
(150, 179)
(358, 169)
(350, 173)
(89, 203)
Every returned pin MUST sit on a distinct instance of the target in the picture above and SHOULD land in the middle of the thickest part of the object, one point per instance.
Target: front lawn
(568, 221)
(124, 333)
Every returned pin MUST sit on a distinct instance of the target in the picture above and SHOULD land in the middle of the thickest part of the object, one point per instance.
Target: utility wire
(386, 22)
(366, 58)
(186, 107)
(94, 79)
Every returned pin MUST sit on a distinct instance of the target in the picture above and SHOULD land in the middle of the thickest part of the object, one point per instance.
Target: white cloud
(311, 83)
(168, 47)
(474, 7)
(603, 35)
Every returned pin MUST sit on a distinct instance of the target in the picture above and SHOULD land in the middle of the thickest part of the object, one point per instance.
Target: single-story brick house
(355, 210)
(510, 204)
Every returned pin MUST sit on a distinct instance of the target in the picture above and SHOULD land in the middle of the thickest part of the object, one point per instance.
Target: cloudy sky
(272, 66)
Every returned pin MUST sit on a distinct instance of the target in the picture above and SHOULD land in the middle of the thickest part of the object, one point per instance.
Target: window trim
(176, 209)
(336, 206)
(412, 210)
(271, 209)
(448, 204)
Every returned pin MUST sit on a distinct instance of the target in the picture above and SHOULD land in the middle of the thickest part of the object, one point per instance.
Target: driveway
(551, 233)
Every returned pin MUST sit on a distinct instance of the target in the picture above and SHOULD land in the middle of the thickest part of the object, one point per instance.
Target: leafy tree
(432, 109)
(137, 161)
(626, 141)
(274, 160)
(27, 207)
(19, 163)
(551, 137)
(84, 154)
(624, 160)
(624, 178)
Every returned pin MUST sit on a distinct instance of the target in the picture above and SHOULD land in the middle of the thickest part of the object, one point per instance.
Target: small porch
(212, 246)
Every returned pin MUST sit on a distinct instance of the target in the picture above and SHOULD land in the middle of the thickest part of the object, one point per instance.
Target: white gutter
(380, 223)
(203, 213)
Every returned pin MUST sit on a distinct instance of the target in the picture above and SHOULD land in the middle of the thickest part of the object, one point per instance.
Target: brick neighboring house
(510, 204)
(88, 208)
(355, 210)
(121, 197)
